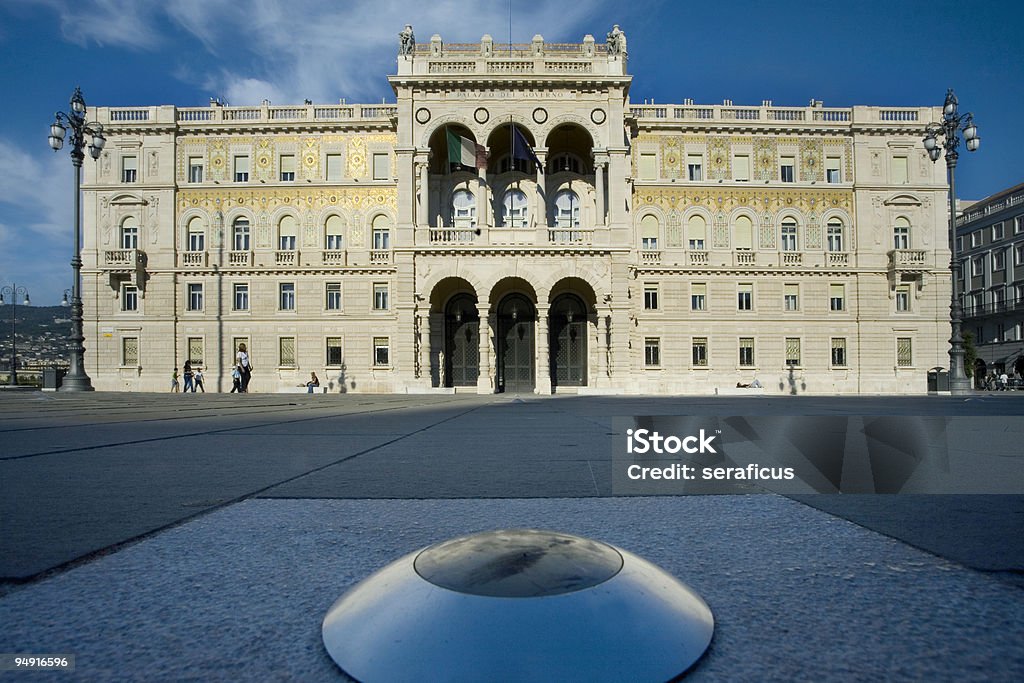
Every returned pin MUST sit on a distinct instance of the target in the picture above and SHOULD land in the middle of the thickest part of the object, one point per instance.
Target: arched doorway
(515, 367)
(980, 372)
(462, 342)
(568, 339)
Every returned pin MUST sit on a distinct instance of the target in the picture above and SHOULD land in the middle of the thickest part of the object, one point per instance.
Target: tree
(970, 353)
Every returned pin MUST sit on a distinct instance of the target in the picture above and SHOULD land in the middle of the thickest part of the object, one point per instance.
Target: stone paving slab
(797, 594)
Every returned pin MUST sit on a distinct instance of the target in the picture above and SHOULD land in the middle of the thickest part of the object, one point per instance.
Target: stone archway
(516, 322)
(568, 323)
(462, 342)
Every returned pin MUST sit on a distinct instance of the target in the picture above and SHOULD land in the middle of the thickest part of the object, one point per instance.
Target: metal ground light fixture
(77, 379)
(944, 135)
(14, 291)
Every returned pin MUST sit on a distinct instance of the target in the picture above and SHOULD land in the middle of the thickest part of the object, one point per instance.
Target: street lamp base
(77, 383)
(960, 386)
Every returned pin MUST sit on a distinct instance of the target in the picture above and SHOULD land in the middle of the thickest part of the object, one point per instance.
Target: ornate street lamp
(938, 137)
(14, 291)
(76, 379)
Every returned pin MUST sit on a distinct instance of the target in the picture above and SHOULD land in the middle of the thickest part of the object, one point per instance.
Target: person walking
(188, 375)
(1004, 381)
(244, 366)
(236, 380)
(174, 381)
(198, 379)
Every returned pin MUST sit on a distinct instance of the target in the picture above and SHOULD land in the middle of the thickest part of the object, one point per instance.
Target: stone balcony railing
(286, 257)
(124, 259)
(698, 258)
(335, 257)
(769, 114)
(380, 257)
(570, 236)
(791, 258)
(742, 257)
(217, 114)
(837, 259)
(650, 257)
(976, 212)
(239, 259)
(907, 260)
(193, 259)
(453, 235)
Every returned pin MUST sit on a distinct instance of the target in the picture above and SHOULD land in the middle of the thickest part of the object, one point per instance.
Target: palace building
(514, 223)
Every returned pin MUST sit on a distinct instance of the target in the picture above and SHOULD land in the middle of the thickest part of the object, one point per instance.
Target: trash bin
(938, 379)
(53, 378)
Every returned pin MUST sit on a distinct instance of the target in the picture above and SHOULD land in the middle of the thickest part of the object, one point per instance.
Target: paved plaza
(203, 537)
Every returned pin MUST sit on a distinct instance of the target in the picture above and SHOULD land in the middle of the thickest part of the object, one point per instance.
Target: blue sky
(142, 52)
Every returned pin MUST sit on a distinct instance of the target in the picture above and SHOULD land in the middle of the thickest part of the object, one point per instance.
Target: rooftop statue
(407, 40)
(616, 41)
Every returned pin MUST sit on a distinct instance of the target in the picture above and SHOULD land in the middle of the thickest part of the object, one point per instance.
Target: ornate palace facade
(581, 244)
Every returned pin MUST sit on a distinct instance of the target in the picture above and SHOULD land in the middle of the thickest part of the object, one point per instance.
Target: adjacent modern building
(990, 244)
(514, 223)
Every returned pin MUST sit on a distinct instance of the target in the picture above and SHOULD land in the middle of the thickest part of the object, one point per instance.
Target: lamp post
(76, 379)
(938, 137)
(14, 291)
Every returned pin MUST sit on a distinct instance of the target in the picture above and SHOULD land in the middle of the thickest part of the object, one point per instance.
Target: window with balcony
(129, 298)
(743, 237)
(287, 233)
(699, 352)
(333, 296)
(381, 166)
(381, 352)
(836, 296)
(567, 209)
(286, 168)
(838, 352)
(333, 167)
(380, 296)
(463, 209)
(196, 235)
(335, 357)
(746, 352)
(195, 296)
(240, 235)
(832, 170)
(514, 209)
(698, 296)
(286, 296)
(695, 167)
(381, 233)
(745, 296)
(789, 241)
(787, 169)
(129, 234)
(240, 299)
(650, 297)
(741, 168)
(652, 352)
(792, 351)
(241, 169)
(697, 233)
(901, 234)
(649, 231)
(834, 235)
(195, 169)
(334, 231)
(129, 169)
(791, 297)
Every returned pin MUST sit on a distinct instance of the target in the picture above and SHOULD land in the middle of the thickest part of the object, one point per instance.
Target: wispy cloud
(126, 23)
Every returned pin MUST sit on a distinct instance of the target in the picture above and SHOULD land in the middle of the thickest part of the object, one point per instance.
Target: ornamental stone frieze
(351, 198)
(803, 200)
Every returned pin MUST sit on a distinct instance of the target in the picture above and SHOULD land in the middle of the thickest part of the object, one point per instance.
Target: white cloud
(127, 23)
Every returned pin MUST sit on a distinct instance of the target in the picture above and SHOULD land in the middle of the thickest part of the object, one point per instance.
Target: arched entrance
(980, 372)
(515, 367)
(462, 342)
(568, 339)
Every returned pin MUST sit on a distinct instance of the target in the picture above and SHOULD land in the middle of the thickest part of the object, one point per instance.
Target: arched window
(901, 234)
(697, 233)
(649, 230)
(789, 242)
(381, 232)
(567, 209)
(287, 230)
(240, 235)
(196, 235)
(514, 209)
(834, 235)
(520, 165)
(334, 233)
(463, 209)
(564, 162)
(130, 234)
(743, 238)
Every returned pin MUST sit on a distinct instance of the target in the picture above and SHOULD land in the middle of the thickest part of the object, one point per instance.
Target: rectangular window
(903, 298)
(698, 297)
(334, 355)
(978, 266)
(652, 352)
(240, 239)
(381, 167)
(997, 231)
(241, 169)
(286, 352)
(195, 351)
(333, 167)
(904, 352)
(832, 172)
(745, 297)
(241, 296)
(747, 351)
(700, 352)
(286, 242)
(196, 240)
(792, 351)
(130, 351)
(651, 297)
(649, 243)
(999, 259)
(195, 296)
(695, 166)
(381, 351)
(648, 166)
(1018, 255)
(787, 169)
(380, 296)
(899, 171)
(788, 237)
(1018, 225)
(287, 167)
(837, 297)
(286, 296)
(381, 238)
(838, 352)
(960, 244)
(741, 168)
(835, 237)
(129, 169)
(976, 238)
(791, 297)
(333, 302)
(195, 169)
(901, 237)
(129, 298)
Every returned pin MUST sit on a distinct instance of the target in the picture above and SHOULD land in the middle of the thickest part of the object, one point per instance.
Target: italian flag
(461, 151)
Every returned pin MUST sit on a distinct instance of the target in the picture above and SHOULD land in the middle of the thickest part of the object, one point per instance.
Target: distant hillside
(34, 321)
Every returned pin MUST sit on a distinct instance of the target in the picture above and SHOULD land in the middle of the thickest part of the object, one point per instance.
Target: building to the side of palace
(658, 248)
(990, 246)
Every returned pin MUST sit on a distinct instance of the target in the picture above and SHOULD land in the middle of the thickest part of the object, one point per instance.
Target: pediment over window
(903, 200)
(128, 199)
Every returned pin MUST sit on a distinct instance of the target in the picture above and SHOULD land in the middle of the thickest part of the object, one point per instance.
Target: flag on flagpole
(521, 149)
(461, 151)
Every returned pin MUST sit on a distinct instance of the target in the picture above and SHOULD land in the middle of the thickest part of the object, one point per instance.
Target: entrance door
(568, 353)
(462, 342)
(516, 318)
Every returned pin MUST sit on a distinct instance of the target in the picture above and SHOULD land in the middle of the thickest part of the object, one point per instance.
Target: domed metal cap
(521, 605)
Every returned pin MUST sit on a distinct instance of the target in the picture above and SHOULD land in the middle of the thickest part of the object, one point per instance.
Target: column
(423, 208)
(485, 381)
(481, 198)
(543, 347)
(424, 347)
(599, 188)
(601, 376)
(541, 219)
